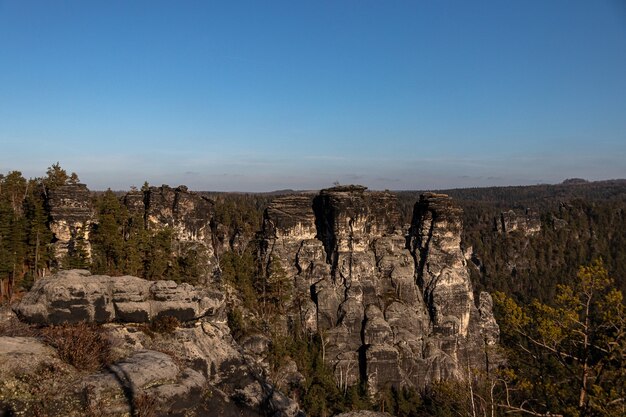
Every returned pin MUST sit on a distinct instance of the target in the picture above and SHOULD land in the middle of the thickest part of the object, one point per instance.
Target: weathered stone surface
(150, 373)
(235, 379)
(488, 325)
(527, 223)
(24, 355)
(441, 268)
(76, 295)
(71, 217)
(189, 214)
(395, 306)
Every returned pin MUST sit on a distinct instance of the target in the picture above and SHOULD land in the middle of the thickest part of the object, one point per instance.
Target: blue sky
(264, 95)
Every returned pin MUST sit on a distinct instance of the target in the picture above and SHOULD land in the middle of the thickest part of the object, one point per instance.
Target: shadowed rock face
(76, 295)
(71, 216)
(395, 306)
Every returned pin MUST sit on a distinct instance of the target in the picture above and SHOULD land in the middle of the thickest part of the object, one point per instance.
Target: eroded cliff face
(196, 369)
(71, 217)
(188, 214)
(394, 304)
(527, 223)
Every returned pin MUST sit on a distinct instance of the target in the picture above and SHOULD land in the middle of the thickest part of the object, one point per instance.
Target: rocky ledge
(75, 295)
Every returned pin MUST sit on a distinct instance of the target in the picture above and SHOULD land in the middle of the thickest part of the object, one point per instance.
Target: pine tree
(55, 177)
(107, 236)
(569, 357)
(39, 235)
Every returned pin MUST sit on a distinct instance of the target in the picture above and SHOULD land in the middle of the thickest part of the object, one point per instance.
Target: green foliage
(236, 323)
(107, 238)
(25, 251)
(319, 394)
(274, 289)
(121, 244)
(77, 255)
(240, 213)
(570, 356)
(57, 176)
(579, 223)
(240, 272)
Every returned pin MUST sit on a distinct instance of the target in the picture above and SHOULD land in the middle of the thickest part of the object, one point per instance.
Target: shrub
(236, 323)
(83, 345)
(164, 324)
(145, 405)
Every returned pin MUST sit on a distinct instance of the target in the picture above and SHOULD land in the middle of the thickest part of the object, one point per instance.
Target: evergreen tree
(570, 357)
(39, 235)
(55, 177)
(107, 237)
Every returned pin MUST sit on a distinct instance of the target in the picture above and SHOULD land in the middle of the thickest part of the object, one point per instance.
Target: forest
(558, 289)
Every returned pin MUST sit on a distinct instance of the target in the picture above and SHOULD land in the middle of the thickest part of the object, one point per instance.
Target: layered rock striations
(71, 217)
(76, 295)
(527, 223)
(394, 306)
(195, 369)
(187, 214)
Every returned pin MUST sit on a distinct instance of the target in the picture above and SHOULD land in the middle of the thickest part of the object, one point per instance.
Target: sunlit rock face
(71, 217)
(188, 214)
(528, 223)
(394, 306)
(75, 295)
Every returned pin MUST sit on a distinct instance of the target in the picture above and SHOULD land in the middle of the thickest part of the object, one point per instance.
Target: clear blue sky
(265, 95)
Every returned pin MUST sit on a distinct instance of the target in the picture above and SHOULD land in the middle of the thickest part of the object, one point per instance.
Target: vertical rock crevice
(398, 303)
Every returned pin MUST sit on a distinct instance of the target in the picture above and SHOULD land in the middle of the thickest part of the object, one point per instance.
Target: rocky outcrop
(71, 217)
(237, 382)
(145, 376)
(24, 355)
(196, 368)
(527, 223)
(187, 213)
(76, 295)
(395, 306)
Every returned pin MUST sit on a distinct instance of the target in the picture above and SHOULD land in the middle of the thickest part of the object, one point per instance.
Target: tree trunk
(36, 275)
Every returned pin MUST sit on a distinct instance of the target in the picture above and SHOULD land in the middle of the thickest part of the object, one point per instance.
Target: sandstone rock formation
(527, 223)
(76, 295)
(394, 306)
(71, 217)
(196, 368)
(151, 374)
(24, 355)
(189, 215)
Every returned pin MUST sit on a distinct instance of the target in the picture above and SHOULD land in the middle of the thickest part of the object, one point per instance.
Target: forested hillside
(541, 251)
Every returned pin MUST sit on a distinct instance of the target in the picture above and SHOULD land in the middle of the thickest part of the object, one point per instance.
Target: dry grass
(11, 326)
(145, 405)
(164, 325)
(83, 345)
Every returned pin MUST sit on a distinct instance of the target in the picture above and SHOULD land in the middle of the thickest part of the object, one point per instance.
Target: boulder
(24, 355)
(75, 295)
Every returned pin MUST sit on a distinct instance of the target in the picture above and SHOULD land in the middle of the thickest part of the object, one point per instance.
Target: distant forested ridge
(541, 251)
(577, 221)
